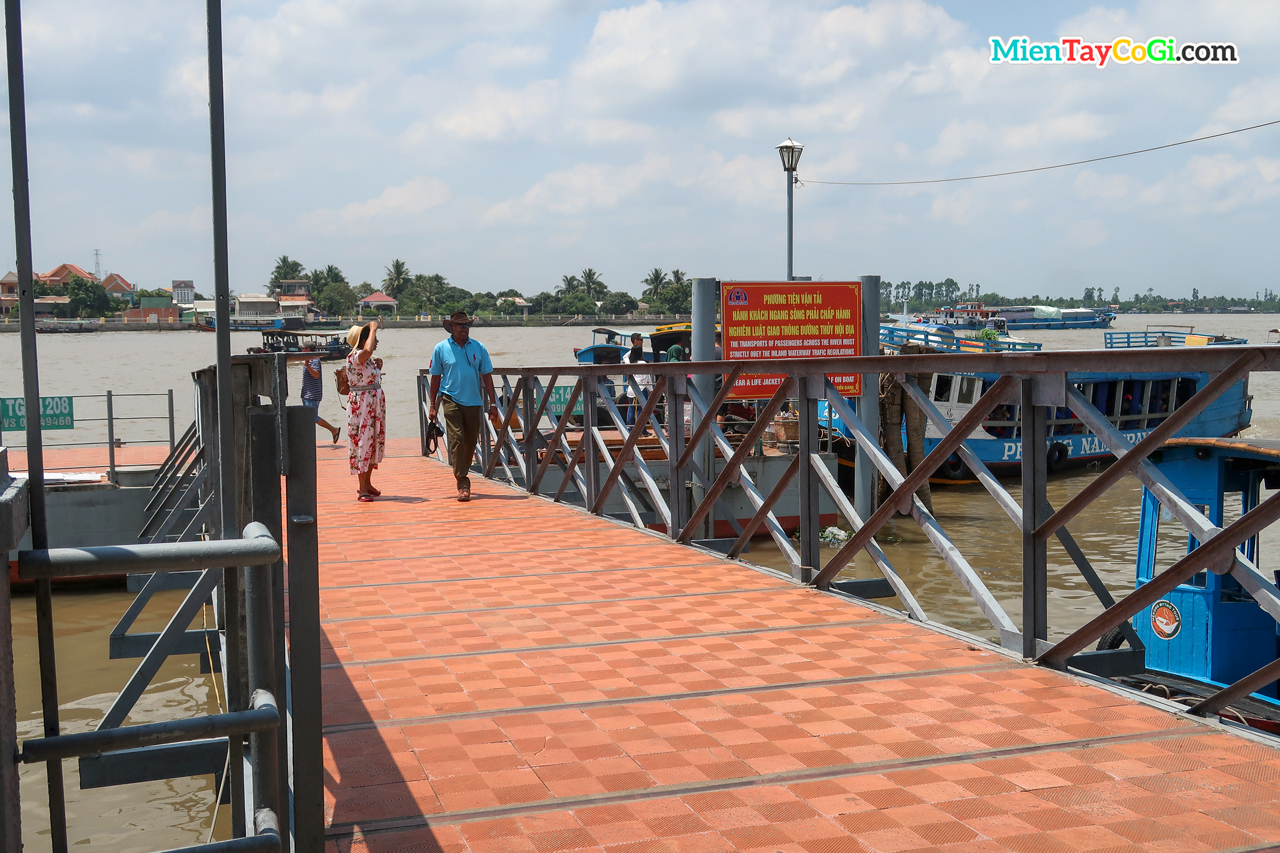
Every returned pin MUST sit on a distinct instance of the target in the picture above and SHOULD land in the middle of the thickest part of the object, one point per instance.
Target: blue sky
(506, 144)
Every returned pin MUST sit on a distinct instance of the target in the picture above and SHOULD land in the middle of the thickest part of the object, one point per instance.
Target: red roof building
(379, 301)
(116, 284)
(62, 273)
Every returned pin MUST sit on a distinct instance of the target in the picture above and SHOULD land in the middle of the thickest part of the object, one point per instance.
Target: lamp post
(790, 152)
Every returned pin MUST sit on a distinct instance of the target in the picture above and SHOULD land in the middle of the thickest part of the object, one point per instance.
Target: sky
(507, 144)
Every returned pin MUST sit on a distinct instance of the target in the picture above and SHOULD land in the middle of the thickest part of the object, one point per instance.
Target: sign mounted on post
(790, 319)
(560, 400)
(55, 413)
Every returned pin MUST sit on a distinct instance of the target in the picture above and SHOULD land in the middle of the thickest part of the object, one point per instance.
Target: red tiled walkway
(513, 675)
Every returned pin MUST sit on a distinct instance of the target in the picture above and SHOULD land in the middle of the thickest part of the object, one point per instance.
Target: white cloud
(398, 203)
(628, 133)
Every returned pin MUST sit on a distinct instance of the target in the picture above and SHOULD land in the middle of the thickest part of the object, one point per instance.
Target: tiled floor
(513, 675)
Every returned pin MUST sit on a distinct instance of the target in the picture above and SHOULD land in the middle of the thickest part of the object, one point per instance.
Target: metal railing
(531, 438)
(111, 419)
(264, 746)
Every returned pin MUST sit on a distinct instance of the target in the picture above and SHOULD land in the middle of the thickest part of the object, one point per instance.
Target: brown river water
(178, 812)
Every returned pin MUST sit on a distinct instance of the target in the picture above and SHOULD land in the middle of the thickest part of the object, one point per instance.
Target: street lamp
(790, 153)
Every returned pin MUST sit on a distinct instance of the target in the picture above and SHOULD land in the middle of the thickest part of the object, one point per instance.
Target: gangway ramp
(517, 675)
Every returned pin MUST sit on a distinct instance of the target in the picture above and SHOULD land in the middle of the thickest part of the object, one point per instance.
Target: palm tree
(654, 283)
(286, 269)
(677, 278)
(593, 285)
(332, 274)
(568, 284)
(397, 277)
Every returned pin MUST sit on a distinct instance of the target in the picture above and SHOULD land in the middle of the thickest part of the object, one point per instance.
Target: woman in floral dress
(366, 407)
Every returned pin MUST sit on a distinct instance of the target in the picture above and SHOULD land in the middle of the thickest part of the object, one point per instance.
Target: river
(178, 812)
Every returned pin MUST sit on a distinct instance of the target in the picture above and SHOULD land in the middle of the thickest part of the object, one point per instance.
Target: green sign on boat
(55, 413)
(560, 399)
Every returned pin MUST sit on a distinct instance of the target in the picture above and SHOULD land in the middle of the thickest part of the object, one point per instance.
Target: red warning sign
(790, 319)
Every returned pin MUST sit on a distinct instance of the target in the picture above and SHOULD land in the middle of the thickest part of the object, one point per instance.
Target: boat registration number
(55, 413)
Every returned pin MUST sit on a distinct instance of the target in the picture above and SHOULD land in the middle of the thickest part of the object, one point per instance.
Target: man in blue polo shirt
(458, 365)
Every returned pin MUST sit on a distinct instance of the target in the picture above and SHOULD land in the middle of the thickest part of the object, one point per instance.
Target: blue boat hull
(1100, 323)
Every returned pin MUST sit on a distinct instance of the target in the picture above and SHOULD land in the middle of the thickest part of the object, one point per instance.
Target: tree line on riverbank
(928, 295)
(422, 293)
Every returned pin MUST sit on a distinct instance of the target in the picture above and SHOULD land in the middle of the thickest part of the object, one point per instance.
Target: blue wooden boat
(1135, 402)
(1208, 633)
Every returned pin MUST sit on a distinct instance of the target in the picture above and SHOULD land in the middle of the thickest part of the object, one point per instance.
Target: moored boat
(328, 347)
(1209, 632)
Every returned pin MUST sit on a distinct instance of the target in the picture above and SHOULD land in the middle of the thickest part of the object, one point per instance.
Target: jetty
(515, 674)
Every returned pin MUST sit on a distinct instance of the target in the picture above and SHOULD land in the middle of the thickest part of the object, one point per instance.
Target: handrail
(256, 547)
(1190, 360)
(265, 715)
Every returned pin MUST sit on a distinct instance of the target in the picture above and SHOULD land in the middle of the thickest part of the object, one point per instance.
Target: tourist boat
(1169, 336)
(1209, 632)
(945, 339)
(976, 315)
(328, 347)
(254, 324)
(1135, 402)
(610, 346)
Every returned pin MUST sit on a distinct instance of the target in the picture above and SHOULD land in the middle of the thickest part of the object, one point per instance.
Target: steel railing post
(172, 435)
(864, 472)
(304, 634)
(590, 453)
(1035, 596)
(529, 430)
(809, 389)
(264, 496)
(677, 474)
(111, 439)
(421, 388)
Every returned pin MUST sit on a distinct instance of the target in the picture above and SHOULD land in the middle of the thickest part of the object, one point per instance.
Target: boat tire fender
(1111, 640)
(1058, 455)
(953, 468)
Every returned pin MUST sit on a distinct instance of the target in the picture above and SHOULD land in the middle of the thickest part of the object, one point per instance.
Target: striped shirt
(313, 386)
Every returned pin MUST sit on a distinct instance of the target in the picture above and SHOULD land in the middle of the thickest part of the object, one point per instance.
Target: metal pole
(864, 472)
(1035, 594)
(264, 479)
(809, 390)
(31, 395)
(171, 433)
(304, 633)
(227, 498)
(111, 440)
(702, 347)
(790, 197)
(676, 475)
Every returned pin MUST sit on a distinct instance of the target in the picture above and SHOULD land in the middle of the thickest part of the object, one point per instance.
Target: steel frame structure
(1033, 381)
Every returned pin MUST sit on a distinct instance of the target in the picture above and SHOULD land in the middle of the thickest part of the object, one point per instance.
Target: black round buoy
(1058, 454)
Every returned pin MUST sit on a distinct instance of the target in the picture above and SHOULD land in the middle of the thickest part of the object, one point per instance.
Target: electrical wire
(1039, 168)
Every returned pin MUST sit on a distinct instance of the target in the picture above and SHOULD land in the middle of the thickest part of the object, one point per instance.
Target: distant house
(519, 303)
(61, 275)
(49, 304)
(116, 285)
(379, 301)
(294, 305)
(295, 287)
(256, 305)
(8, 293)
(184, 292)
(154, 309)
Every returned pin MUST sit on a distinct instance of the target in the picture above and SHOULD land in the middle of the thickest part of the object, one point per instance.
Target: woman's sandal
(375, 492)
(364, 499)
(337, 432)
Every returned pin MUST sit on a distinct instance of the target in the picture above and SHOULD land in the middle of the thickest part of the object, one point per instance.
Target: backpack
(343, 382)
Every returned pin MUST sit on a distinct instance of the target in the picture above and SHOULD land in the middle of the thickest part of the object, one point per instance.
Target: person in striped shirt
(313, 393)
